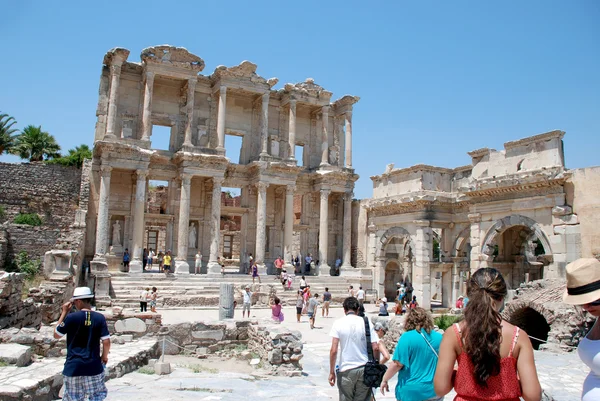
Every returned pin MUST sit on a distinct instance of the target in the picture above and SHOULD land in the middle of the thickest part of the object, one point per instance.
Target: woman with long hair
(495, 358)
(583, 288)
(415, 357)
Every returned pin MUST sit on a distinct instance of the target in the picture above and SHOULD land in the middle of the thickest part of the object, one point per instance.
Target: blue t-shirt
(415, 380)
(84, 330)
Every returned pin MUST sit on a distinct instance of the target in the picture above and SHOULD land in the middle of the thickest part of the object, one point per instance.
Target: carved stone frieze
(171, 55)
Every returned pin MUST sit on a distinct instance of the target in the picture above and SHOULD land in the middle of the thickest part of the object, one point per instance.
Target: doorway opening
(300, 155)
(233, 148)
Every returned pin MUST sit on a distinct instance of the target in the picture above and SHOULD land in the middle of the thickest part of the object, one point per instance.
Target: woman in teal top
(415, 358)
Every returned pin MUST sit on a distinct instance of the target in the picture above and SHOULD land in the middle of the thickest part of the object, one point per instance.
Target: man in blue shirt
(84, 368)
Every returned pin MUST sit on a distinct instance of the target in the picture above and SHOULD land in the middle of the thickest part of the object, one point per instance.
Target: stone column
(115, 78)
(226, 295)
(221, 123)
(325, 137)
(147, 111)
(455, 280)
(422, 272)
(475, 219)
(347, 240)
(214, 269)
(136, 265)
(264, 125)
(261, 225)
(191, 88)
(348, 140)
(103, 221)
(323, 232)
(292, 130)
(181, 264)
(289, 225)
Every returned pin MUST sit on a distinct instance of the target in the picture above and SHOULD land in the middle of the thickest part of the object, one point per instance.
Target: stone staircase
(197, 291)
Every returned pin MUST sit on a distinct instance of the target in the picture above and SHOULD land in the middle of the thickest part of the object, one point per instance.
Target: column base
(323, 267)
(136, 266)
(349, 271)
(262, 269)
(182, 267)
(213, 269)
(287, 266)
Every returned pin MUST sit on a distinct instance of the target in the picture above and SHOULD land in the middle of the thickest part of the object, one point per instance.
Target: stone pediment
(307, 88)
(246, 70)
(116, 53)
(175, 56)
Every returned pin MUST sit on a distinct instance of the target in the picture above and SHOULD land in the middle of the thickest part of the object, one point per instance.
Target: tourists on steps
(299, 305)
(308, 261)
(198, 263)
(583, 288)
(126, 259)
(150, 258)
(144, 296)
(153, 297)
(254, 272)
(144, 259)
(83, 374)
(279, 266)
(495, 358)
(247, 295)
(167, 263)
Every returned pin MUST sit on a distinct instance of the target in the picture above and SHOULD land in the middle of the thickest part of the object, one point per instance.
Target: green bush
(31, 219)
(2, 212)
(445, 321)
(22, 264)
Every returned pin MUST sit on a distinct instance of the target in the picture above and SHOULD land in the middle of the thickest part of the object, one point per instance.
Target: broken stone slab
(127, 338)
(561, 210)
(131, 325)
(15, 354)
(254, 362)
(217, 335)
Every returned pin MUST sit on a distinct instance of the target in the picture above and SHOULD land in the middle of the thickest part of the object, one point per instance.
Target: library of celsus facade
(296, 146)
(518, 210)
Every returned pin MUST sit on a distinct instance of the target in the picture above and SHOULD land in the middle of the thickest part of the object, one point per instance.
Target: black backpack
(374, 371)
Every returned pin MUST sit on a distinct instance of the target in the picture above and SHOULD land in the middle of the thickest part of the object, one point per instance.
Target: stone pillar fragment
(221, 120)
(347, 240)
(475, 219)
(323, 232)
(292, 130)
(289, 225)
(102, 225)
(115, 78)
(189, 109)
(422, 272)
(226, 301)
(348, 139)
(455, 280)
(147, 111)
(214, 269)
(325, 137)
(181, 263)
(136, 265)
(261, 225)
(264, 125)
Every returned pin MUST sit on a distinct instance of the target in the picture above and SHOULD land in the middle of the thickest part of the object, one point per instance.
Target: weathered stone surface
(130, 325)
(15, 354)
(208, 335)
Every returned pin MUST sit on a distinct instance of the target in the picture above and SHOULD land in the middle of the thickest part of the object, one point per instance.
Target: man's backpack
(374, 371)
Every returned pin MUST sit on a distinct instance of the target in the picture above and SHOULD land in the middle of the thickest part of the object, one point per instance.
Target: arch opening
(533, 323)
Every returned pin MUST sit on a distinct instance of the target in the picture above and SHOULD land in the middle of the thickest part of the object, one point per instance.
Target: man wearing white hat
(84, 368)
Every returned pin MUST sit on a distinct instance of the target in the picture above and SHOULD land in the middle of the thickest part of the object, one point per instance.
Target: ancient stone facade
(201, 112)
(509, 209)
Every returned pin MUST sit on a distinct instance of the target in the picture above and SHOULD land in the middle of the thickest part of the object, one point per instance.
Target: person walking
(247, 297)
(151, 256)
(351, 292)
(254, 271)
(381, 328)
(153, 297)
(144, 296)
(360, 295)
(278, 266)
(349, 335)
(583, 289)
(299, 305)
(198, 263)
(308, 260)
(313, 305)
(83, 373)
(160, 257)
(144, 259)
(126, 260)
(167, 263)
(303, 284)
(495, 358)
(326, 302)
(415, 357)
(297, 265)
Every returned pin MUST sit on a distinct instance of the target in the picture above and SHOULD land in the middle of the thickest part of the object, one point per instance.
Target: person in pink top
(279, 266)
(276, 313)
(495, 358)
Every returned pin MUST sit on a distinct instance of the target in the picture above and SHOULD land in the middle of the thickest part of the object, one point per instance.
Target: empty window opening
(157, 197)
(231, 197)
(233, 148)
(161, 137)
(227, 246)
(300, 155)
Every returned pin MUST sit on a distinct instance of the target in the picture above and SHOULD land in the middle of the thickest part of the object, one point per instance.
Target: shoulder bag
(374, 371)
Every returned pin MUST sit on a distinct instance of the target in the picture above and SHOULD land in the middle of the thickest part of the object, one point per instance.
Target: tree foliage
(35, 144)
(31, 219)
(74, 158)
(22, 264)
(7, 138)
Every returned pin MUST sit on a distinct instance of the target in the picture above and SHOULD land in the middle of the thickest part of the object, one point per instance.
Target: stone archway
(531, 317)
(394, 232)
(393, 275)
(511, 221)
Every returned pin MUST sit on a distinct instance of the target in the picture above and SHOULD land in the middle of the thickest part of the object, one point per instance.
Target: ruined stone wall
(14, 312)
(279, 349)
(583, 193)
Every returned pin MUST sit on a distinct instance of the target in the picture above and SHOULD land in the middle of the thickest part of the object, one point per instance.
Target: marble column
(422, 272)
(325, 136)
(264, 126)
(181, 263)
(189, 109)
(289, 225)
(136, 265)
(214, 269)
(115, 78)
(292, 130)
(103, 222)
(323, 232)
(261, 225)
(475, 240)
(221, 121)
(455, 280)
(347, 240)
(348, 139)
(147, 111)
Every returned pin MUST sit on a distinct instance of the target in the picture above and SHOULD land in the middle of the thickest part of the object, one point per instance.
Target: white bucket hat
(583, 282)
(384, 299)
(82, 293)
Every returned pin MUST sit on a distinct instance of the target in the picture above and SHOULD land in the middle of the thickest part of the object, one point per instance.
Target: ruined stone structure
(512, 209)
(201, 112)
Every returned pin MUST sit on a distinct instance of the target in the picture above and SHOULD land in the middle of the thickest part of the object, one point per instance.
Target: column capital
(218, 180)
(141, 174)
(223, 89)
(325, 109)
(266, 97)
(290, 189)
(150, 76)
(422, 223)
(348, 115)
(325, 193)
(186, 179)
(105, 171)
(262, 186)
(293, 103)
(348, 196)
(115, 69)
(474, 217)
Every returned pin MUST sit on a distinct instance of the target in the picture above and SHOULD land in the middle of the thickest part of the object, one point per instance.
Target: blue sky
(436, 79)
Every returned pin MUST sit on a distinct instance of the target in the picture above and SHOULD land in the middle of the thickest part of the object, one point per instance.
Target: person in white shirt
(360, 295)
(151, 256)
(198, 263)
(348, 333)
(144, 295)
(247, 302)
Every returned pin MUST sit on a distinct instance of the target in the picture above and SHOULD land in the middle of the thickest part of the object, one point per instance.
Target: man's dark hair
(316, 295)
(326, 288)
(350, 304)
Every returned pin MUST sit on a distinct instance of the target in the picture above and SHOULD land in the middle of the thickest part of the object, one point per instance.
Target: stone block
(558, 244)
(561, 210)
(569, 219)
(127, 338)
(162, 368)
(15, 354)
(131, 325)
(217, 335)
(152, 362)
(275, 357)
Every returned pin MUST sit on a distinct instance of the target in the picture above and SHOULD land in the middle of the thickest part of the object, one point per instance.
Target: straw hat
(583, 282)
(384, 300)
(82, 293)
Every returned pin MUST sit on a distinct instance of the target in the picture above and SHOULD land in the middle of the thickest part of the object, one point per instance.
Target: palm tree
(75, 157)
(6, 132)
(35, 144)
